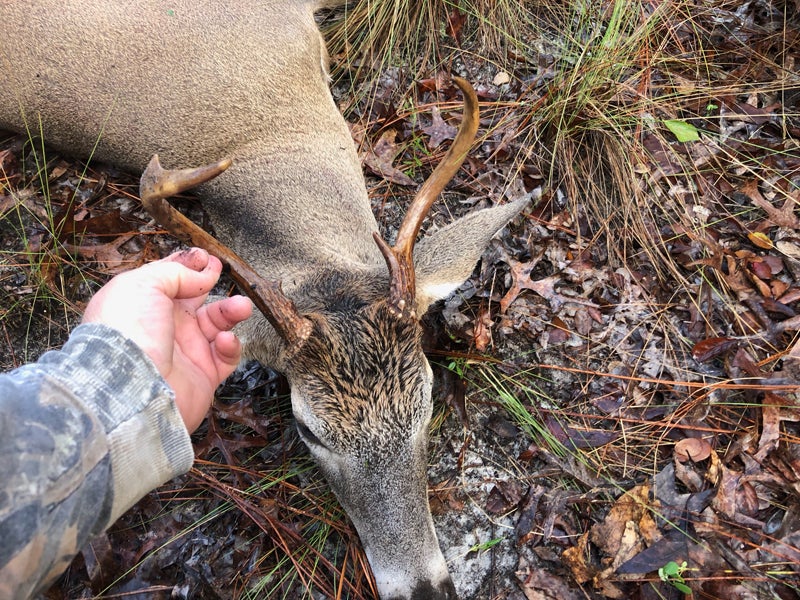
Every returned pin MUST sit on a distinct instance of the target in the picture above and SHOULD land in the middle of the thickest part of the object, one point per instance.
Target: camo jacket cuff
(84, 433)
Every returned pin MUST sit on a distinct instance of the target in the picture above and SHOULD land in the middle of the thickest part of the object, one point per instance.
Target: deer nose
(422, 589)
(443, 590)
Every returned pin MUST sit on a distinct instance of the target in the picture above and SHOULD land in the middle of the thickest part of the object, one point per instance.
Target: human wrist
(148, 441)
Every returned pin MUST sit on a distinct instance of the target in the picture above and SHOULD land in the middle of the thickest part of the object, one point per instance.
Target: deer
(238, 96)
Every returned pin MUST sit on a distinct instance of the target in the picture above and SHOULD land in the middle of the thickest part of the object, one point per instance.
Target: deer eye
(307, 435)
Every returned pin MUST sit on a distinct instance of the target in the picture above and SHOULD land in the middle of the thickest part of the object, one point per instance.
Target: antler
(157, 184)
(399, 258)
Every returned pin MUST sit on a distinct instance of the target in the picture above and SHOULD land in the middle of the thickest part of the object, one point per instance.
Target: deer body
(195, 81)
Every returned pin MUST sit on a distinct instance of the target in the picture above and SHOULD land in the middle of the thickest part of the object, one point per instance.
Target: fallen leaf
(521, 275)
(790, 249)
(501, 78)
(455, 23)
(538, 584)
(108, 256)
(774, 409)
(381, 157)
(782, 216)
(439, 130)
(575, 559)
(692, 449)
(710, 348)
(683, 131)
(761, 240)
(559, 332)
(504, 496)
(579, 437)
(482, 336)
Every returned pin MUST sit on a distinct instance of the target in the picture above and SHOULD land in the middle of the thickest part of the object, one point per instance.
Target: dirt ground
(606, 408)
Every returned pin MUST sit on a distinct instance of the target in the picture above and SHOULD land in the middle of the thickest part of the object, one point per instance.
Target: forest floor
(617, 384)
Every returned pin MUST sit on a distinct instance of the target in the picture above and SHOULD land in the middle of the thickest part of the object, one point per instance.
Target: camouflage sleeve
(84, 433)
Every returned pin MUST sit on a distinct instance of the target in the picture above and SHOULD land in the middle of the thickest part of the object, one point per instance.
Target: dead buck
(195, 81)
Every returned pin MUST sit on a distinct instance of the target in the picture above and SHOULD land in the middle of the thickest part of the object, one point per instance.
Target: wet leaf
(710, 348)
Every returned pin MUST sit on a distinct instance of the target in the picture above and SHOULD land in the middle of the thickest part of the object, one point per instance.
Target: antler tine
(399, 258)
(157, 184)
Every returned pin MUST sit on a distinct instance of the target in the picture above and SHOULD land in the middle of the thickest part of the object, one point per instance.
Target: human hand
(160, 306)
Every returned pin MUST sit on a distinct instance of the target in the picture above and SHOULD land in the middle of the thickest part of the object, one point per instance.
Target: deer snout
(435, 584)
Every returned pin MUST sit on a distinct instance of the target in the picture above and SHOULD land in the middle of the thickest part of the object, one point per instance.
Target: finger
(227, 352)
(223, 315)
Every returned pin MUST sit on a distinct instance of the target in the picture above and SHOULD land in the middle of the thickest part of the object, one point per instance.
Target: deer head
(361, 385)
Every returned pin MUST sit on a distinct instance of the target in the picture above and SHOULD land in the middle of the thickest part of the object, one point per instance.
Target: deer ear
(445, 259)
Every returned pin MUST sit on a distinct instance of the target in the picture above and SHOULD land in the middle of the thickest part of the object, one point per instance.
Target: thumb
(189, 273)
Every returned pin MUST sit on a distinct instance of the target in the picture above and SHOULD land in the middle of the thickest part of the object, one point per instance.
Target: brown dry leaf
(631, 543)
(538, 584)
(583, 320)
(774, 409)
(521, 275)
(381, 157)
(690, 468)
(227, 442)
(453, 392)
(455, 23)
(626, 531)
(559, 332)
(59, 170)
(783, 216)
(101, 561)
(482, 336)
(790, 249)
(692, 449)
(579, 437)
(576, 558)
(108, 256)
(504, 496)
(752, 271)
(242, 412)
(734, 496)
(611, 537)
(104, 224)
(439, 130)
(7, 202)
